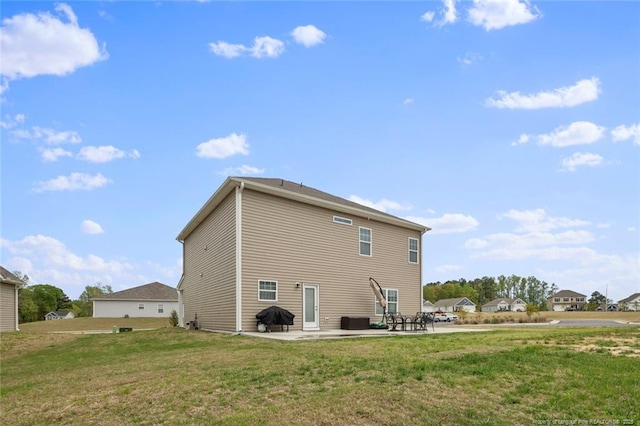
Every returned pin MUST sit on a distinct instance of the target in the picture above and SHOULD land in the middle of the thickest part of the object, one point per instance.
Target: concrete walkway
(341, 334)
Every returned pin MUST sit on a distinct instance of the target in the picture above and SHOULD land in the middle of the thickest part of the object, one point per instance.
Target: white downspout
(239, 190)
(17, 318)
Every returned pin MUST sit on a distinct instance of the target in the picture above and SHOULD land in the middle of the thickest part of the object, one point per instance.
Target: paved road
(592, 323)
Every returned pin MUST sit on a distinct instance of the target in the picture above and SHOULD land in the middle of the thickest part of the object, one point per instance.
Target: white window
(342, 220)
(365, 241)
(413, 250)
(268, 290)
(392, 301)
(160, 308)
(140, 305)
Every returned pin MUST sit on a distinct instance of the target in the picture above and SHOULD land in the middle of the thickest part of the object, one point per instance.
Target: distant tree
(49, 298)
(531, 309)
(83, 306)
(595, 300)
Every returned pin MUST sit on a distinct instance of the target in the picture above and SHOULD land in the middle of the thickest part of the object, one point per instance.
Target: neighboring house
(153, 300)
(631, 303)
(58, 315)
(505, 304)
(428, 306)
(566, 300)
(455, 305)
(259, 242)
(9, 285)
(607, 306)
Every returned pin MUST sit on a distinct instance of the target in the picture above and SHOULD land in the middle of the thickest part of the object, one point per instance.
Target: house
(427, 306)
(259, 242)
(611, 307)
(505, 304)
(153, 300)
(59, 315)
(631, 303)
(455, 305)
(566, 300)
(9, 285)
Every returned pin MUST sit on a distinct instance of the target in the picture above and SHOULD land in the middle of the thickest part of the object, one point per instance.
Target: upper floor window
(365, 241)
(160, 308)
(556, 299)
(413, 250)
(342, 220)
(268, 290)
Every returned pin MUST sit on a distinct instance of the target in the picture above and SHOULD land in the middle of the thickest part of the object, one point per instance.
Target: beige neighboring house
(259, 242)
(566, 300)
(59, 315)
(153, 300)
(455, 305)
(9, 285)
(428, 306)
(505, 304)
(631, 303)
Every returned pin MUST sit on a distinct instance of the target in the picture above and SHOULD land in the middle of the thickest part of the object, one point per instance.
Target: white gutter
(17, 318)
(239, 190)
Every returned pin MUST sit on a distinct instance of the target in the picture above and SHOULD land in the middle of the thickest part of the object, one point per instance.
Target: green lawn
(172, 376)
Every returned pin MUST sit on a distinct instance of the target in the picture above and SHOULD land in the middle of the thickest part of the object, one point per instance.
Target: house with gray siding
(9, 285)
(505, 304)
(260, 242)
(153, 300)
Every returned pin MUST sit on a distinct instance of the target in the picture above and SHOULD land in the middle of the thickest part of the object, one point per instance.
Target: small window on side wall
(268, 291)
(414, 251)
(160, 308)
(140, 305)
(365, 241)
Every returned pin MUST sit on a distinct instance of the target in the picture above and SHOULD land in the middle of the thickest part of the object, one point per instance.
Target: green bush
(173, 318)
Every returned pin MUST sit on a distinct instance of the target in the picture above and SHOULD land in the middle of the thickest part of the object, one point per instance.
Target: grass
(173, 376)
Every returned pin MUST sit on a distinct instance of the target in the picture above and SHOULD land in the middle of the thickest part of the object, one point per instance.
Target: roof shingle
(151, 291)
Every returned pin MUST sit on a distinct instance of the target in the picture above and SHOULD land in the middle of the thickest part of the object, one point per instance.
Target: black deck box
(354, 323)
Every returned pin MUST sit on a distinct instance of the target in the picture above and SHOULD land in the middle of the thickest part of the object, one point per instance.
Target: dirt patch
(617, 350)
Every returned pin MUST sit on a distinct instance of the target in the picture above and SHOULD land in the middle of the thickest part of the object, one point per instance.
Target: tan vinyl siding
(288, 242)
(209, 270)
(7, 307)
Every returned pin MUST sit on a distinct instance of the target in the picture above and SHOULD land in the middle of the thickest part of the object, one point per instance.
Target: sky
(510, 128)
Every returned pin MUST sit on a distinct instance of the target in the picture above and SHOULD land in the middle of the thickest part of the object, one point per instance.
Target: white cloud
(308, 35)
(243, 170)
(52, 154)
(443, 269)
(73, 182)
(580, 159)
(48, 136)
(227, 50)
(545, 245)
(470, 58)
(577, 133)
(428, 16)
(497, 14)
(91, 227)
(44, 44)
(448, 223)
(104, 154)
(262, 47)
(631, 229)
(622, 133)
(46, 259)
(449, 13)
(408, 101)
(538, 220)
(563, 97)
(11, 122)
(524, 138)
(382, 205)
(223, 147)
(267, 47)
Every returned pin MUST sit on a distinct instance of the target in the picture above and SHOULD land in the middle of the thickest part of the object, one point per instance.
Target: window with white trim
(413, 250)
(160, 308)
(365, 241)
(267, 290)
(391, 295)
(140, 305)
(342, 220)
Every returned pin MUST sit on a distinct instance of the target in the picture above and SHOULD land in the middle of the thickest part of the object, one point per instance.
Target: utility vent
(342, 220)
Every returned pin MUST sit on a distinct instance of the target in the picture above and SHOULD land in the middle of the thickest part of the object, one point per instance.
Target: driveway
(593, 323)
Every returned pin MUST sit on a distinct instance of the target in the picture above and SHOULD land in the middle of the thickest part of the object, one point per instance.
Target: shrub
(495, 320)
(173, 318)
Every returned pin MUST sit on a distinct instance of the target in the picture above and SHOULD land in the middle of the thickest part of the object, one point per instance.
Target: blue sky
(510, 128)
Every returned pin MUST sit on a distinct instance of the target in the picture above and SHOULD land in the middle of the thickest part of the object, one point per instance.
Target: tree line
(36, 301)
(483, 290)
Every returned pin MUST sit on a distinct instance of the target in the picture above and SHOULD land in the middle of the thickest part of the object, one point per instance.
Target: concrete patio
(342, 334)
